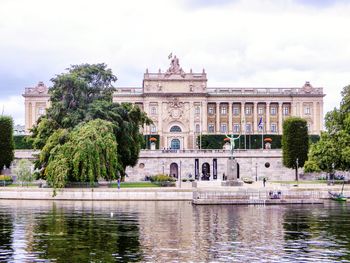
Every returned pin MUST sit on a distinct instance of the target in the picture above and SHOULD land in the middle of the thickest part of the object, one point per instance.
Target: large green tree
(295, 142)
(6, 141)
(82, 94)
(333, 149)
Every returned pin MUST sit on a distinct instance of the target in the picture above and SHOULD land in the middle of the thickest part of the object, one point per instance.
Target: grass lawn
(134, 185)
(24, 185)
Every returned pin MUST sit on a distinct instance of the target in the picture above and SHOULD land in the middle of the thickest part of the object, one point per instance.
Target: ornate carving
(307, 88)
(175, 108)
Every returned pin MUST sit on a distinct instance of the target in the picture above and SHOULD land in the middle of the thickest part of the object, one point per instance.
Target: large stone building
(183, 107)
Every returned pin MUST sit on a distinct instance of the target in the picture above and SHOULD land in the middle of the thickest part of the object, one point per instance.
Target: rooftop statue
(175, 67)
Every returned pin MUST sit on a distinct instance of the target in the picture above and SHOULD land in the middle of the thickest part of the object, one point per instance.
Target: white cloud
(13, 106)
(239, 43)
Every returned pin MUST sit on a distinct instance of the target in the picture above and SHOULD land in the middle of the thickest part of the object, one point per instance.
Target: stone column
(160, 123)
(267, 128)
(217, 117)
(243, 120)
(280, 119)
(255, 118)
(230, 117)
(146, 109)
(33, 115)
(192, 125)
(301, 107)
(293, 109)
(204, 113)
(314, 117)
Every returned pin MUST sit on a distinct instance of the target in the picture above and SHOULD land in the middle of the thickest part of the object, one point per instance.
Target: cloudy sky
(262, 43)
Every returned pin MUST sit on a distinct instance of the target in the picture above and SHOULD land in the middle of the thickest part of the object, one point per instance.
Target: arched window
(175, 128)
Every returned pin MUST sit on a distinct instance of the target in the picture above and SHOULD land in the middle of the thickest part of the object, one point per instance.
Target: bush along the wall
(21, 142)
(216, 141)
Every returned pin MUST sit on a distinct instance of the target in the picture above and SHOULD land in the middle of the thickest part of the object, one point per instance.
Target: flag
(260, 125)
(170, 55)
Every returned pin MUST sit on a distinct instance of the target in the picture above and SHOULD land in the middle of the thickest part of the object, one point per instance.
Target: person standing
(118, 182)
(264, 181)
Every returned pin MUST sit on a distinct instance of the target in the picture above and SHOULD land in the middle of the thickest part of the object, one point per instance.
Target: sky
(252, 43)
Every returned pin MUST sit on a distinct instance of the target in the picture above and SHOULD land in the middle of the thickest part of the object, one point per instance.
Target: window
(223, 110)
(285, 110)
(175, 128)
(211, 110)
(260, 111)
(198, 128)
(153, 128)
(308, 127)
(307, 110)
(175, 144)
(273, 110)
(197, 110)
(248, 110)
(223, 127)
(273, 127)
(235, 111)
(236, 127)
(211, 127)
(41, 111)
(248, 127)
(153, 110)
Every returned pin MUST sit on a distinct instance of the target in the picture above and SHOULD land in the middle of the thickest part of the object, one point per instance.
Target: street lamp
(296, 170)
(256, 172)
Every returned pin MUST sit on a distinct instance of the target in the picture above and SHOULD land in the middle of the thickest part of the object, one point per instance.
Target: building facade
(182, 107)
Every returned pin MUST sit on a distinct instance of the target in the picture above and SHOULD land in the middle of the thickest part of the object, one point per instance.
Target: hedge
(216, 141)
(6, 141)
(21, 142)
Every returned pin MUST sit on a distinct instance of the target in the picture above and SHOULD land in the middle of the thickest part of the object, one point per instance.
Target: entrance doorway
(205, 172)
(174, 170)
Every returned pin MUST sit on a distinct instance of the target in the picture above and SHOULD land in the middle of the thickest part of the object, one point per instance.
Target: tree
(6, 142)
(332, 152)
(24, 172)
(86, 154)
(83, 94)
(295, 143)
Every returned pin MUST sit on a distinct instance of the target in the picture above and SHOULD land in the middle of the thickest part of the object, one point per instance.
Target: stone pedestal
(232, 174)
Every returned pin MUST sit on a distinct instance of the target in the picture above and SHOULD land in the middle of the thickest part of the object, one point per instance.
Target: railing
(258, 195)
(269, 91)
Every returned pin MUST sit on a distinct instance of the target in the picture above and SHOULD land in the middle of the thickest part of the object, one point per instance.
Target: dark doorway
(205, 172)
(174, 170)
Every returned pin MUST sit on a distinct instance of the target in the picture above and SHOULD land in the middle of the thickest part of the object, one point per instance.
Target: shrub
(162, 178)
(6, 141)
(184, 180)
(5, 178)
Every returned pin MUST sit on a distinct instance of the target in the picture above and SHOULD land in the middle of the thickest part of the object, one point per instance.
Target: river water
(77, 231)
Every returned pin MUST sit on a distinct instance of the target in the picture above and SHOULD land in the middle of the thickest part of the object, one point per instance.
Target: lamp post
(256, 172)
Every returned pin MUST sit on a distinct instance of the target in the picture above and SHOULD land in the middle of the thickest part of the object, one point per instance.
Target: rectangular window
(153, 110)
(248, 128)
(223, 110)
(41, 111)
(197, 128)
(285, 110)
(223, 127)
(273, 127)
(273, 110)
(235, 111)
(260, 111)
(307, 110)
(248, 110)
(211, 127)
(197, 110)
(153, 128)
(211, 110)
(236, 128)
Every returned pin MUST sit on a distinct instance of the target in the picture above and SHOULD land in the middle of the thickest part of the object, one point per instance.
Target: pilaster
(280, 117)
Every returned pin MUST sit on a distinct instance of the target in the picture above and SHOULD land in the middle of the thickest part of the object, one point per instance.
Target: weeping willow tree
(86, 154)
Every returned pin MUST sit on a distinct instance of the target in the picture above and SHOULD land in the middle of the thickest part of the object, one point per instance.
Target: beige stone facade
(183, 107)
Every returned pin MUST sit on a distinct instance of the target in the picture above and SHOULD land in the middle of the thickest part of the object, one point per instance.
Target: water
(53, 231)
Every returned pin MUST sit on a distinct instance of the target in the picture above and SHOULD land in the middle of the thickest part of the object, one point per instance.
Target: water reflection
(172, 231)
